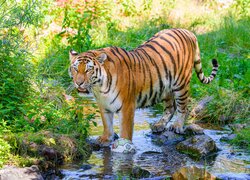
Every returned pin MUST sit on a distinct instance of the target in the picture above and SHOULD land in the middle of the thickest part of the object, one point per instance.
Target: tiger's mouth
(83, 90)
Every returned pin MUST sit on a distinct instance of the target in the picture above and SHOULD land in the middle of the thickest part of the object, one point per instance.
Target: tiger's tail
(198, 68)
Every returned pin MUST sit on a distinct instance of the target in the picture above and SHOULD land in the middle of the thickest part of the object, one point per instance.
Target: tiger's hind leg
(169, 109)
(177, 121)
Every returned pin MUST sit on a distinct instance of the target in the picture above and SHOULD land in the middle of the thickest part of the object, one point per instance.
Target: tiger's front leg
(124, 143)
(108, 133)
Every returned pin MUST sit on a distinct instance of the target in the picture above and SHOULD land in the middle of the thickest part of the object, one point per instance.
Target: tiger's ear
(102, 57)
(72, 53)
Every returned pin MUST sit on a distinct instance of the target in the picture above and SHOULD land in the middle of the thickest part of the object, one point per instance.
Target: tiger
(159, 70)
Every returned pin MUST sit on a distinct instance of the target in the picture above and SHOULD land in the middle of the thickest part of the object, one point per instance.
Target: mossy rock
(197, 146)
(48, 150)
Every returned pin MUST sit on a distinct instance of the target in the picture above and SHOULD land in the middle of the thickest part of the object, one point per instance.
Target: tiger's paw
(176, 127)
(123, 146)
(157, 127)
(104, 141)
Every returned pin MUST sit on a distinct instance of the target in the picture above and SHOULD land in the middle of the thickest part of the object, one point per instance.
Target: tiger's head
(85, 70)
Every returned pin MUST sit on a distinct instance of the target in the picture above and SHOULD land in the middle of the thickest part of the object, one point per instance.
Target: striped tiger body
(159, 70)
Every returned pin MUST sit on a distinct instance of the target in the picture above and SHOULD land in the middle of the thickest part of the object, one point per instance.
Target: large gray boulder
(15, 173)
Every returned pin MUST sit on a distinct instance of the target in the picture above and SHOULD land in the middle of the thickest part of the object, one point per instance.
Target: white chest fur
(108, 101)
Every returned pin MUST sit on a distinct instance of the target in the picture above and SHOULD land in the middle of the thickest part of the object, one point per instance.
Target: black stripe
(183, 94)
(156, 67)
(115, 98)
(166, 40)
(139, 97)
(180, 103)
(179, 88)
(110, 60)
(170, 79)
(113, 52)
(132, 53)
(179, 111)
(187, 39)
(181, 41)
(119, 108)
(109, 82)
(144, 101)
(150, 74)
(124, 59)
(153, 101)
(162, 59)
(169, 54)
(181, 99)
(130, 63)
(172, 36)
(138, 60)
(129, 73)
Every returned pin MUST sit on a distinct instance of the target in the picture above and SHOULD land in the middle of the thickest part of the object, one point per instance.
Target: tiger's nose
(78, 84)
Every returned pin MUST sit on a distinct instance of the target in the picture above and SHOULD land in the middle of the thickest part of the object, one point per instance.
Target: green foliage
(4, 151)
(243, 138)
(79, 17)
(15, 69)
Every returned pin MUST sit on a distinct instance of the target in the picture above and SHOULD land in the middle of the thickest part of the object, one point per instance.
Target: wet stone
(197, 146)
(85, 167)
(166, 138)
(192, 172)
(138, 172)
(228, 137)
(94, 146)
(229, 176)
(193, 129)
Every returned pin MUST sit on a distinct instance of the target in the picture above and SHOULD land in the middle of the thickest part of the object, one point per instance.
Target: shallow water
(161, 161)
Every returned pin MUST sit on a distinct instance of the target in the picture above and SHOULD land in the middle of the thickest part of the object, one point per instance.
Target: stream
(159, 159)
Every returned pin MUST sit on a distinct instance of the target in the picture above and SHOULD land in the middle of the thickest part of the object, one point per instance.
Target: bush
(4, 152)
(16, 69)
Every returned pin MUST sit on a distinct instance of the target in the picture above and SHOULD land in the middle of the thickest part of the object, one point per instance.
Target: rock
(197, 146)
(138, 172)
(228, 137)
(237, 127)
(85, 167)
(15, 173)
(166, 138)
(96, 146)
(232, 176)
(192, 172)
(172, 138)
(193, 129)
(225, 119)
(51, 154)
(199, 109)
(93, 144)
